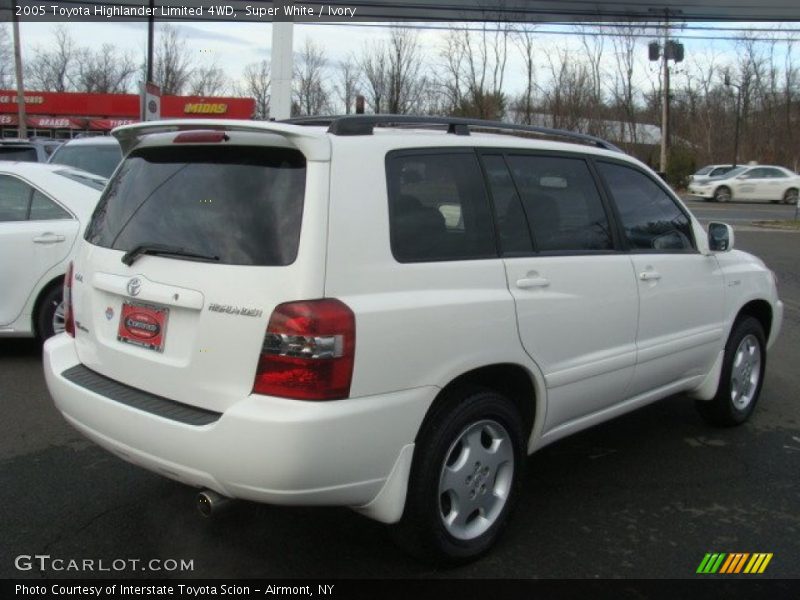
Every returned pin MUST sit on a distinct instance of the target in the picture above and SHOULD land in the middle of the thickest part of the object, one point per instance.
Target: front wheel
(722, 194)
(742, 376)
(790, 197)
(465, 478)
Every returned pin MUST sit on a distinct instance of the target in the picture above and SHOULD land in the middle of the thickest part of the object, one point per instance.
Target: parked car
(32, 150)
(709, 171)
(43, 210)
(344, 312)
(763, 183)
(99, 154)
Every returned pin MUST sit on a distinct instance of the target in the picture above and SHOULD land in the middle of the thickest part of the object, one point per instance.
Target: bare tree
(6, 63)
(566, 97)
(347, 85)
(474, 64)
(311, 96)
(207, 80)
(525, 40)
(171, 65)
(374, 64)
(104, 71)
(53, 69)
(623, 89)
(257, 86)
(406, 79)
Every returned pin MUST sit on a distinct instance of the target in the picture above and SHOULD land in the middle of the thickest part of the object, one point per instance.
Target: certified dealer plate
(143, 325)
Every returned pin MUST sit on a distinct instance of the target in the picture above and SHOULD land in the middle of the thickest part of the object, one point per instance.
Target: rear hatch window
(20, 153)
(240, 204)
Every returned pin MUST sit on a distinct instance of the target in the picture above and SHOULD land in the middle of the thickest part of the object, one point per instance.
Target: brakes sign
(143, 325)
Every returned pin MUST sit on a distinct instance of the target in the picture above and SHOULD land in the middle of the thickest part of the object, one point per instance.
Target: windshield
(21, 153)
(101, 160)
(704, 171)
(240, 204)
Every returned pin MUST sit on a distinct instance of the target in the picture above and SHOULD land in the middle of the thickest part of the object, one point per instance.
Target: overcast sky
(234, 45)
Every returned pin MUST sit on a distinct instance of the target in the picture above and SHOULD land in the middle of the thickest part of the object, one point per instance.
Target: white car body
(758, 183)
(34, 253)
(589, 337)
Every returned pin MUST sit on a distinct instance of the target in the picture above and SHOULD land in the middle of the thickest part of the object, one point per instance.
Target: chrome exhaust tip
(210, 503)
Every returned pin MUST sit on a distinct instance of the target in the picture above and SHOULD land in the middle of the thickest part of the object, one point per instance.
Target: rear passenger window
(512, 226)
(562, 204)
(438, 209)
(44, 209)
(651, 219)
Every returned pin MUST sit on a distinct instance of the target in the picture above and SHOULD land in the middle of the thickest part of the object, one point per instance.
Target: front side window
(651, 218)
(561, 202)
(240, 205)
(438, 209)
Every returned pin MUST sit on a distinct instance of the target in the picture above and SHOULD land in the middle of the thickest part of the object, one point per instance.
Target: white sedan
(757, 183)
(43, 210)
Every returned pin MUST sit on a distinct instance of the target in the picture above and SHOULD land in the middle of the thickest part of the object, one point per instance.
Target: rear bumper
(263, 449)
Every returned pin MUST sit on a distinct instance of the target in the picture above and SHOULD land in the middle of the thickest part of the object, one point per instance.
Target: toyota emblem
(134, 286)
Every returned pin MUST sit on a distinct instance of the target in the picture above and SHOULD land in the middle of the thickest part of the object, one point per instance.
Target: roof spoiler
(314, 145)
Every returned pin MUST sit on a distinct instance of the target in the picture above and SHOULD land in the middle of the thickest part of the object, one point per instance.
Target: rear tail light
(308, 351)
(200, 137)
(69, 316)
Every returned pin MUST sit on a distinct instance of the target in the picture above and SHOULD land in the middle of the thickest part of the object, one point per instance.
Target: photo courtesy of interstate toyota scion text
(389, 313)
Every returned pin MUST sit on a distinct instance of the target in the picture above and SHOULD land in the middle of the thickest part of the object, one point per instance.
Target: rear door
(575, 293)
(36, 234)
(219, 230)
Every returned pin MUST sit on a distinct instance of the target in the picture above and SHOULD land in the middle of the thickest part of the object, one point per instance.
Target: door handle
(527, 283)
(650, 276)
(48, 238)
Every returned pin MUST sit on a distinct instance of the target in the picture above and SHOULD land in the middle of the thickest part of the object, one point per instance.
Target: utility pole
(665, 99)
(281, 62)
(738, 87)
(666, 50)
(22, 128)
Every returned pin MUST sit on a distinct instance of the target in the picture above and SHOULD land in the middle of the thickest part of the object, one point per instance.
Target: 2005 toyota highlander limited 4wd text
(389, 313)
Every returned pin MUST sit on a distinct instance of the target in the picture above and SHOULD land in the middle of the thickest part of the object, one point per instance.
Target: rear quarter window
(241, 204)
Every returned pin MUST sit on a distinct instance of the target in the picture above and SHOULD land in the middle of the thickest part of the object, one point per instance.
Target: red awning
(56, 123)
(109, 124)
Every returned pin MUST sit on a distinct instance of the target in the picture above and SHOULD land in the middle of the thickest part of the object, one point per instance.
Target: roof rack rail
(365, 125)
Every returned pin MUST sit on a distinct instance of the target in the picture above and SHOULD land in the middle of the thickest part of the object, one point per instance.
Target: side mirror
(720, 237)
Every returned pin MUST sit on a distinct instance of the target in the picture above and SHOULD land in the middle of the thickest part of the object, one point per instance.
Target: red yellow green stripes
(734, 563)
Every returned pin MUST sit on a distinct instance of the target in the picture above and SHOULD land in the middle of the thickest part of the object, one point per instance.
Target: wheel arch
(761, 310)
(512, 380)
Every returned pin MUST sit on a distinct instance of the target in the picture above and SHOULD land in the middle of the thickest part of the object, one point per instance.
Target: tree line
(598, 82)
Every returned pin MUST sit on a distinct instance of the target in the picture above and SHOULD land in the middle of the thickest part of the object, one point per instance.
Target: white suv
(390, 313)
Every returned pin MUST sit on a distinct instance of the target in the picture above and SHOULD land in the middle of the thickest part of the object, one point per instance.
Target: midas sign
(203, 108)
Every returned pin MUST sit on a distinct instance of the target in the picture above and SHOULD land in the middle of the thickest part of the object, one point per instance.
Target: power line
(547, 32)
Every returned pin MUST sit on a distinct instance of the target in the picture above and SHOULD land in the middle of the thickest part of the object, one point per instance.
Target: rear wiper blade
(155, 249)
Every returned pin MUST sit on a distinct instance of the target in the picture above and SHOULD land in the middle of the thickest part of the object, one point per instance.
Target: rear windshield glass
(101, 160)
(21, 153)
(241, 204)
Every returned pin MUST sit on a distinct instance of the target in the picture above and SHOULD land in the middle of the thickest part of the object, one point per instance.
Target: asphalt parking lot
(645, 496)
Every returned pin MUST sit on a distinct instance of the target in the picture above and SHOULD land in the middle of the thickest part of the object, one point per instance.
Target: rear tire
(722, 194)
(465, 478)
(742, 375)
(50, 319)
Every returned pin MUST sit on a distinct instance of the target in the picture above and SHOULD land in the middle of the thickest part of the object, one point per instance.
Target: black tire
(731, 407)
(422, 530)
(722, 194)
(790, 197)
(47, 310)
